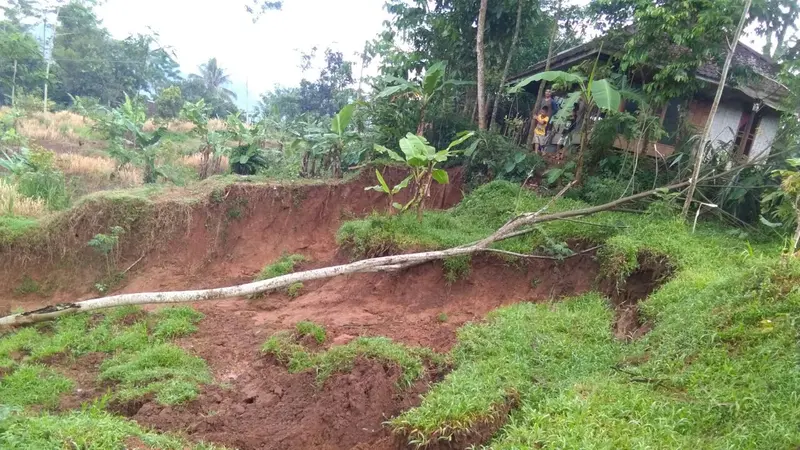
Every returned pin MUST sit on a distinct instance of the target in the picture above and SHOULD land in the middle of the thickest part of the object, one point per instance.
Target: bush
(496, 157)
(169, 102)
(48, 186)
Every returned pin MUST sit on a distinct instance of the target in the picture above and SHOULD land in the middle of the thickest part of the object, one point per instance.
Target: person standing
(540, 132)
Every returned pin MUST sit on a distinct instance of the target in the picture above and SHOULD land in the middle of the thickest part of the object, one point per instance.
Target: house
(748, 116)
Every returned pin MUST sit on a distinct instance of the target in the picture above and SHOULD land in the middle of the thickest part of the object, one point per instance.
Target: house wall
(764, 135)
(726, 124)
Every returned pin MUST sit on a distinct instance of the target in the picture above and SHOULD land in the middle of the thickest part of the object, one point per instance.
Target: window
(671, 122)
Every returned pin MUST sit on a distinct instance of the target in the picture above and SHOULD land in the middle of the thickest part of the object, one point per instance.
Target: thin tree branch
(552, 258)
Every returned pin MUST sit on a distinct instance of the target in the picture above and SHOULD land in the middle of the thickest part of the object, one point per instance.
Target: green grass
(477, 216)
(137, 341)
(33, 385)
(91, 428)
(282, 266)
(164, 370)
(520, 352)
(294, 290)
(308, 328)
(12, 227)
(718, 370)
(411, 360)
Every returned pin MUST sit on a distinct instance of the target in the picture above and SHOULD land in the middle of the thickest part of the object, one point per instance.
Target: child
(540, 132)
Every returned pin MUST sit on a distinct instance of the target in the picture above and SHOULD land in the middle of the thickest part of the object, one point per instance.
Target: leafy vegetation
(421, 160)
(722, 334)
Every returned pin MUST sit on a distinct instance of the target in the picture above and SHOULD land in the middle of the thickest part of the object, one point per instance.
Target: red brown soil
(651, 274)
(259, 404)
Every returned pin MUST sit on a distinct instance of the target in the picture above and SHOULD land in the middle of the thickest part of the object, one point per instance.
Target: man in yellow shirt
(540, 132)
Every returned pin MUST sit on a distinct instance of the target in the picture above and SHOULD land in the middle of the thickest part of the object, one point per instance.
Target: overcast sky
(261, 55)
(258, 55)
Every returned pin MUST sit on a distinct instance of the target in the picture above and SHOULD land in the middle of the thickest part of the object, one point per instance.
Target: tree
(169, 102)
(259, 7)
(775, 19)
(424, 90)
(89, 62)
(24, 62)
(699, 152)
(479, 47)
(509, 57)
(676, 38)
(324, 96)
(214, 79)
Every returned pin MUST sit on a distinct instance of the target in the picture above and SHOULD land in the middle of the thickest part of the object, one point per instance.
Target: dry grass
(74, 164)
(179, 126)
(196, 159)
(62, 126)
(15, 204)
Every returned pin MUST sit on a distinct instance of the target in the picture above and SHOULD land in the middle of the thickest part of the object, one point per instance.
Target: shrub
(496, 157)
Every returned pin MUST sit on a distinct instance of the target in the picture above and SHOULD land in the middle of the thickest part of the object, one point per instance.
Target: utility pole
(14, 85)
(699, 154)
(44, 46)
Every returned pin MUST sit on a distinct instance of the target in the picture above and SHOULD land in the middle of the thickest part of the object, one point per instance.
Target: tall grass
(180, 126)
(62, 126)
(98, 166)
(13, 203)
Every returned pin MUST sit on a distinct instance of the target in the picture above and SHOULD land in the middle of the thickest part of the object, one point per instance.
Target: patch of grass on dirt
(164, 370)
(308, 328)
(91, 428)
(284, 265)
(520, 351)
(33, 385)
(137, 340)
(477, 216)
(411, 360)
(176, 322)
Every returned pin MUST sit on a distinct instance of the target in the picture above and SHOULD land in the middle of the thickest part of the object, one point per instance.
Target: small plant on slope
(108, 246)
(421, 160)
(282, 266)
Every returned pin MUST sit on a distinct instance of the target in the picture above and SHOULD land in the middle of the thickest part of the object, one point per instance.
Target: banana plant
(328, 144)
(593, 94)
(421, 159)
(214, 142)
(425, 90)
(382, 186)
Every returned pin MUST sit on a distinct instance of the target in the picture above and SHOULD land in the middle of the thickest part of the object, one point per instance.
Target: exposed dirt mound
(653, 271)
(223, 237)
(272, 409)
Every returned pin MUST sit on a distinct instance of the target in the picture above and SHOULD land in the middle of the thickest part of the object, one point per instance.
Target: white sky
(259, 55)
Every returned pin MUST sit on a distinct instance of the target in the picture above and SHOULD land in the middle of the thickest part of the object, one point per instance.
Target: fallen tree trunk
(517, 226)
